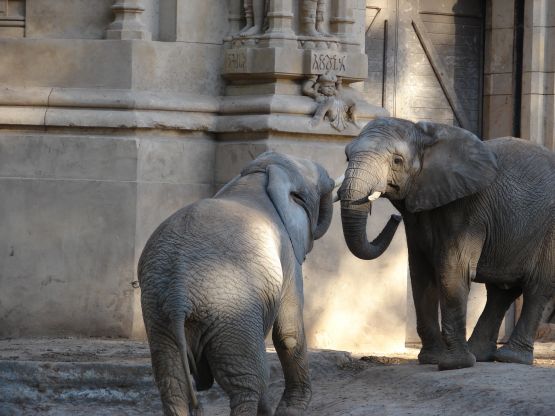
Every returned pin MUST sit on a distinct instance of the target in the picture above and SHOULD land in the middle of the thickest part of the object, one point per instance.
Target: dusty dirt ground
(112, 377)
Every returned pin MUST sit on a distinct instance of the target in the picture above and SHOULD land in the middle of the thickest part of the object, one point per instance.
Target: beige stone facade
(115, 113)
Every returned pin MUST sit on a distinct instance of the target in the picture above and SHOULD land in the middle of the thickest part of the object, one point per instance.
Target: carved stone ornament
(312, 18)
(335, 103)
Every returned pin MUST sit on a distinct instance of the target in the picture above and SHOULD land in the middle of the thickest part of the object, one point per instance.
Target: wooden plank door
(425, 59)
(439, 68)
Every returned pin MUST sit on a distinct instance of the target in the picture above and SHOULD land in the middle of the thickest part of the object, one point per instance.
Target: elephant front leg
(454, 281)
(483, 341)
(290, 343)
(426, 304)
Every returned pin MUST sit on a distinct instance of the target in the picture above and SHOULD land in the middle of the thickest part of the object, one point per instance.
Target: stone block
(176, 161)
(502, 14)
(69, 157)
(206, 22)
(65, 255)
(538, 83)
(498, 116)
(533, 115)
(68, 19)
(499, 44)
(498, 84)
(65, 63)
(177, 67)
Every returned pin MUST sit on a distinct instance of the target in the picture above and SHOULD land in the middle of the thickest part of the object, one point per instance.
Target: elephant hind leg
(483, 341)
(237, 357)
(520, 347)
(168, 371)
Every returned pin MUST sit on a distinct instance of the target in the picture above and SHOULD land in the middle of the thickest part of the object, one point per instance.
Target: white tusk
(336, 198)
(339, 181)
(374, 196)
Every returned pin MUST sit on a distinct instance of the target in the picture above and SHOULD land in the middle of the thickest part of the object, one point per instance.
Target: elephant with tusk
(218, 274)
(473, 211)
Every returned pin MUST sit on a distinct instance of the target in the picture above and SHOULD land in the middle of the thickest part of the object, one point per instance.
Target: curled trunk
(354, 218)
(324, 215)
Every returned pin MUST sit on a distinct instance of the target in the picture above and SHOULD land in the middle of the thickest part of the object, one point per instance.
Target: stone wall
(115, 114)
(113, 118)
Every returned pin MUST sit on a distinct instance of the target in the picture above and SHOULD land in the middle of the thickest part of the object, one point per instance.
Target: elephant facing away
(473, 211)
(215, 277)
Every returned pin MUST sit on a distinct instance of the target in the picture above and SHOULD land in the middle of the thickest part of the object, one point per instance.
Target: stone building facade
(115, 113)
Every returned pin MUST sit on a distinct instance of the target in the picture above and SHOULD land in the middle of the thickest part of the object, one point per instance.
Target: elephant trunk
(354, 217)
(324, 215)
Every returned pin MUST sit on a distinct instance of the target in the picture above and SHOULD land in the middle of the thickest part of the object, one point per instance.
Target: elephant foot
(483, 351)
(289, 411)
(196, 412)
(245, 409)
(456, 360)
(430, 355)
(506, 354)
(294, 403)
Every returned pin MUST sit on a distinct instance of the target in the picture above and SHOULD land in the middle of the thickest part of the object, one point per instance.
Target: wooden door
(425, 59)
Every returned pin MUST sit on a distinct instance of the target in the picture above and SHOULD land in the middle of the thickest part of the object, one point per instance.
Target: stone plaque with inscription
(322, 62)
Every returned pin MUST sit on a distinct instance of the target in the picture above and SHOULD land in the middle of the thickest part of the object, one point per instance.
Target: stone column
(235, 16)
(342, 23)
(538, 87)
(127, 24)
(280, 19)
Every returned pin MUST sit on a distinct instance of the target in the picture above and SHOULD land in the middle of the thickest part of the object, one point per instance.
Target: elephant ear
(289, 204)
(455, 163)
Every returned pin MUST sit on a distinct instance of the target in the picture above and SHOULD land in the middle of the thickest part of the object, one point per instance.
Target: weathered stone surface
(68, 19)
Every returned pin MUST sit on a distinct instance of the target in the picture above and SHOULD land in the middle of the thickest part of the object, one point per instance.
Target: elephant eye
(298, 197)
(398, 160)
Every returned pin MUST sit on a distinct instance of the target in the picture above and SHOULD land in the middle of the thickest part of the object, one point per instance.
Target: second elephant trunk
(354, 218)
(325, 214)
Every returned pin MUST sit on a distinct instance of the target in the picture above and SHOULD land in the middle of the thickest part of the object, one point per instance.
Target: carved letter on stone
(334, 103)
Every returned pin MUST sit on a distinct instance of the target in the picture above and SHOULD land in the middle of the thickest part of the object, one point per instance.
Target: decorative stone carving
(127, 24)
(254, 16)
(270, 63)
(335, 103)
(312, 18)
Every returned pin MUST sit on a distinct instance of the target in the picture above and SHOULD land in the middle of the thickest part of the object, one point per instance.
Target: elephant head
(301, 192)
(422, 166)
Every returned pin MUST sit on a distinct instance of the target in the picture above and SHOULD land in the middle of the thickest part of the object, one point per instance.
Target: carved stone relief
(335, 103)
(312, 18)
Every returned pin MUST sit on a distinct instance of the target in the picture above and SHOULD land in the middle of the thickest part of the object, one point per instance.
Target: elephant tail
(186, 357)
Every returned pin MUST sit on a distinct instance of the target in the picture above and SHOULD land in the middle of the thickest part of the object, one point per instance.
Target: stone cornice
(129, 109)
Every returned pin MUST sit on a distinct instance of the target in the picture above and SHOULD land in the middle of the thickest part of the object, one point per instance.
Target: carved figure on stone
(312, 18)
(334, 104)
(217, 275)
(254, 16)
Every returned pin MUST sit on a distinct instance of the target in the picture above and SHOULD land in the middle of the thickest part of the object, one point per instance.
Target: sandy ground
(110, 377)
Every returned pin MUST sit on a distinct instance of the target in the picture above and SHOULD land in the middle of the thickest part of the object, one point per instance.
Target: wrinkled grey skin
(226, 269)
(473, 211)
